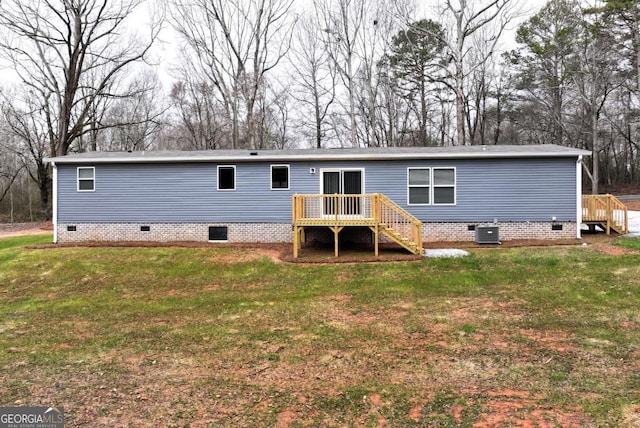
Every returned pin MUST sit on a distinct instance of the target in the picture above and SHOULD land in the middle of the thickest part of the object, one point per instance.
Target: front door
(346, 182)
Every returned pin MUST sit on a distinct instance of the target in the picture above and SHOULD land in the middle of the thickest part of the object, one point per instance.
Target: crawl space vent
(217, 233)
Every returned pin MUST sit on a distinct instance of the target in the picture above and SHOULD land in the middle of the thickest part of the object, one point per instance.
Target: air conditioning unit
(487, 235)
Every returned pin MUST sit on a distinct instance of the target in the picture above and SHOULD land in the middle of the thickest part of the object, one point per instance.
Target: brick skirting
(279, 232)
(508, 231)
(166, 232)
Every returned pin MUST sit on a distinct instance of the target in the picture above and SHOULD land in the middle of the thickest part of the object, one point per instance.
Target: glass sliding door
(330, 186)
(344, 182)
(352, 185)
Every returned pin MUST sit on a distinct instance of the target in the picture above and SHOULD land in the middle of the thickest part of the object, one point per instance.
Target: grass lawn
(203, 337)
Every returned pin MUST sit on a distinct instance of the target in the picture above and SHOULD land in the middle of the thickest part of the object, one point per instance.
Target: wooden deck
(337, 211)
(605, 211)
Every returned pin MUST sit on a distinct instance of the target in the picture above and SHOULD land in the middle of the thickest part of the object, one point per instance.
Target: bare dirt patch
(633, 205)
(604, 244)
(520, 411)
(19, 229)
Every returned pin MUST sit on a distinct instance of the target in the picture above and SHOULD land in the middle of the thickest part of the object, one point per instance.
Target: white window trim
(432, 186)
(288, 177)
(429, 186)
(454, 185)
(235, 177)
(78, 179)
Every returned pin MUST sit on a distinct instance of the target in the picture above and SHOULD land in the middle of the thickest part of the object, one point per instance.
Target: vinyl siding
(502, 189)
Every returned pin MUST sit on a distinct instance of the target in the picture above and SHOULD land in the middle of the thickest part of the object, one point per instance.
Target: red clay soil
(323, 254)
(18, 229)
(633, 205)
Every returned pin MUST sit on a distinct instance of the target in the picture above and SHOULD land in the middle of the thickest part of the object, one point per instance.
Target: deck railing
(333, 210)
(372, 210)
(394, 218)
(606, 210)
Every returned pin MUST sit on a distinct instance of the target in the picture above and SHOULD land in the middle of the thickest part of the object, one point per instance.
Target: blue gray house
(404, 194)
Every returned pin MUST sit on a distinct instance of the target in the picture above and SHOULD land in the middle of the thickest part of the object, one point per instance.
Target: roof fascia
(316, 157)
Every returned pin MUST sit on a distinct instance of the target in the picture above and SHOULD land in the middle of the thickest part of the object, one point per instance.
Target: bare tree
(273, 116)
(132, 123)
(69, 54)
(9, 170)
(315, 77)
(594, 81)
(469, 17)
(373, 42)
(233, 44)
(27, 126)
(343, 22)
(202, 122)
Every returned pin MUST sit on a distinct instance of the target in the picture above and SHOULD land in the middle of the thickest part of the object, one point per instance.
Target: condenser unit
(487, 235)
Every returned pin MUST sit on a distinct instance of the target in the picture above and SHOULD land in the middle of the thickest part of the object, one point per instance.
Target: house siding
(506, 190)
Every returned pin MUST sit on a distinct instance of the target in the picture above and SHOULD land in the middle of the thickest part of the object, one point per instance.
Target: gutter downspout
(55, 202)
(578, 196)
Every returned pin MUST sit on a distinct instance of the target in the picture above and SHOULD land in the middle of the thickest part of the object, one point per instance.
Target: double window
(86, 179)
(431, 186)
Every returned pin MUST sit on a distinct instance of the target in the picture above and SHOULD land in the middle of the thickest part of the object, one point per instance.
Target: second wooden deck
(605, 211)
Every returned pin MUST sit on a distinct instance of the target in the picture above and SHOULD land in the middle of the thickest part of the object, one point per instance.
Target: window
(419, 180)
(227, 177)
(86, 179)
(279, 177)
(431, 186)
(444, 186)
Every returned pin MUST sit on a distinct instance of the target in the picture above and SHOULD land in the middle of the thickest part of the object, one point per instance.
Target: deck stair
(606, 212)
(375, 211)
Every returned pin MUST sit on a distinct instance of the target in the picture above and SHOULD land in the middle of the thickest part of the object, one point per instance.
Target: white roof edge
(317, 157)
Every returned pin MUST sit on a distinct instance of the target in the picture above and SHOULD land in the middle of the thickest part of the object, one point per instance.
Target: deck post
(375, 230)
(376, 238)
(295, 242)
(609, 214)
(336, 238)
(375, 210)
(294, 201)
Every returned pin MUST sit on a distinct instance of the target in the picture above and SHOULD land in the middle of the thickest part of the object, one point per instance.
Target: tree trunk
(595, 175)
(352, 107)
(251, 133)
(423, 113)
(460, 128)
(372, 114)
(460, 110)
(44, 186)
(318, 123)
